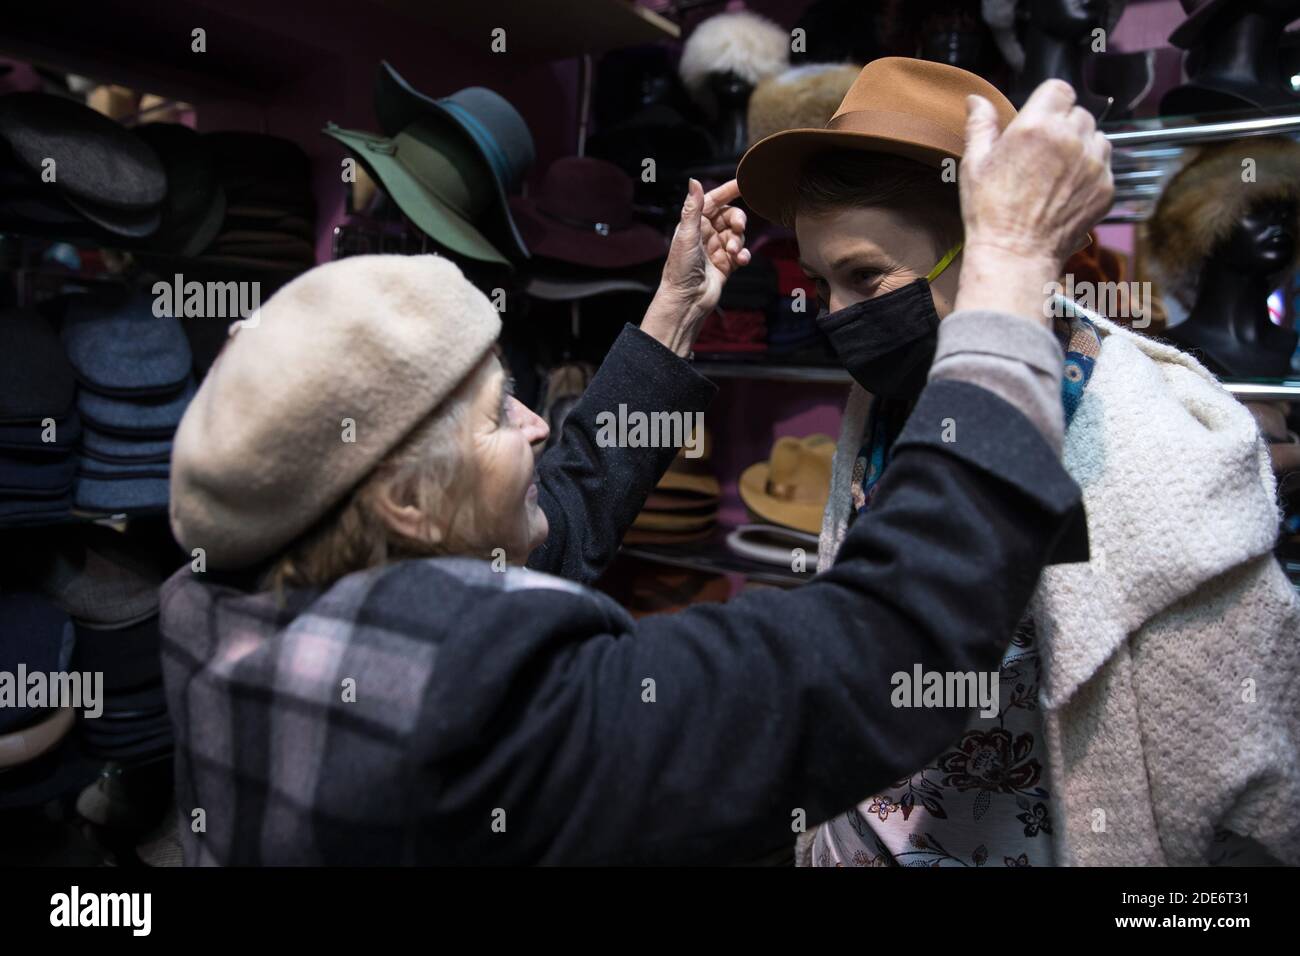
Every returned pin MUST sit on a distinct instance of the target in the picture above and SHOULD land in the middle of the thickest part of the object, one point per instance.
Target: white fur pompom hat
(313, 391)
(747, 44)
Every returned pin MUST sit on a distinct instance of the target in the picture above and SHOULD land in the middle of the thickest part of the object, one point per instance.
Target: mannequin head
(1068, 19)
(1263, 241)
(954, 34)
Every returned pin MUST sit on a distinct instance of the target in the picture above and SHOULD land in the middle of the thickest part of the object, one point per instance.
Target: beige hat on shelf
(692, 475)
(792, 486)
(313, 392)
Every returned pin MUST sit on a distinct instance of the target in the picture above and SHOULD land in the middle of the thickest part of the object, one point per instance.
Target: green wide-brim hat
(443, 192)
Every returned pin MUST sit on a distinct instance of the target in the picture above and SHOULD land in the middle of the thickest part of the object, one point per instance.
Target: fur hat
(1000, 15)
(1206, 198)
(313, 392)
(751, 46)
(802, 97)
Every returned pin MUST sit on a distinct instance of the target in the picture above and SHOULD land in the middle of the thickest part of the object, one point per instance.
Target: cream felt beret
(363, 349)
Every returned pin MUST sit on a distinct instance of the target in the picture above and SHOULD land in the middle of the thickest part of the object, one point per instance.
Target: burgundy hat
(582, 214)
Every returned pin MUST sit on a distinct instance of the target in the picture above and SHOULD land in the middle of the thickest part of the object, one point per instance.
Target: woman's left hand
(708, 246)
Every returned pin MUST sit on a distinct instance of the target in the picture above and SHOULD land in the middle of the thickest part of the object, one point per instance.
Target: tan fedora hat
(791, 487)
(897, 105)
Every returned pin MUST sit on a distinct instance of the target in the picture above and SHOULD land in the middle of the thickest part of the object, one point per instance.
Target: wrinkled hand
(1029, 196)
(1036, 188)
(708, 245)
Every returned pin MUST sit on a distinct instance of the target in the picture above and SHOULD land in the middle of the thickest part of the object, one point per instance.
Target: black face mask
(887, 343)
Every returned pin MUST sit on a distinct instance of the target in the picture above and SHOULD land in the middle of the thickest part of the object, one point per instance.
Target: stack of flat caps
(270, 213)
(38, 761)
(793, 335)
(737, 328)
(195, 205)
(684, 505)
(104, 181)
(135, 372)
(110, 591)
(39, 427)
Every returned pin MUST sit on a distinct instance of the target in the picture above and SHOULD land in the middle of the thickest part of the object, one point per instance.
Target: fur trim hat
(1207, 197)
(313, 392)
(803, 97)
(751, 46)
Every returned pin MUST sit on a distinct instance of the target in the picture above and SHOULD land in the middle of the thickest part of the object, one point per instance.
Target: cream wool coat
(1171, 683)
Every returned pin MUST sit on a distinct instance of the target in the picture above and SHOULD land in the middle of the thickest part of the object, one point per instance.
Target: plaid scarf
(1079, 339)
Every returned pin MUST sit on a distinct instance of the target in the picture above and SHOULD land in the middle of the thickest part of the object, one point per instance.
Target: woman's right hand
(1029, 196)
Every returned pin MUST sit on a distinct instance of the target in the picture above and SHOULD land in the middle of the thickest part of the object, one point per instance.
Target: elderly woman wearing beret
(386, 651)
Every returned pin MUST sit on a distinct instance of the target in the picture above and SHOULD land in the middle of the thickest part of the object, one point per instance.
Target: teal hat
(449, 164)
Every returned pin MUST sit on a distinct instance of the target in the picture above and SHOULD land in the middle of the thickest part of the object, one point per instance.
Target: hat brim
(637, 536)
(672, 521)
(769, 171)
(28, 743)
(680, 481)
(567, 290)
(398, 104)
(432, 216)
(791, 514)
(61, 771)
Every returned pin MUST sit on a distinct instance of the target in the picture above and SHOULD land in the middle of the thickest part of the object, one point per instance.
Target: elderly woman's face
(853, 254)
(504, 438)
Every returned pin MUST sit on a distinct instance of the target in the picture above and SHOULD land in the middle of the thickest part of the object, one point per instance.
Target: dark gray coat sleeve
(774, 705)
(590, 494)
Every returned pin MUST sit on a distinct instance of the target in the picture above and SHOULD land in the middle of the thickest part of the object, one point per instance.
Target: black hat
(29, 437)
(262, 170)
(36, 476)
(36, 380)
(38, 635)
(1191, 32)
(128, 657)
(111, 177)
(196, 202)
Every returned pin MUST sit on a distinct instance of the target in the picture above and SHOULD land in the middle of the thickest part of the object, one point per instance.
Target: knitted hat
(1207, 197)
(343, 362)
